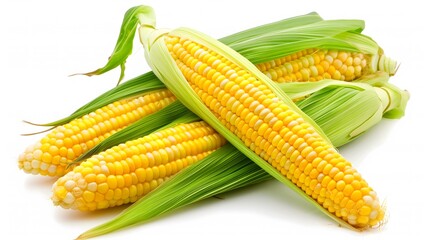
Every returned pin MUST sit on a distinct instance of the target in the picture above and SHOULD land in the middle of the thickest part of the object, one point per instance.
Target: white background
(42, 42)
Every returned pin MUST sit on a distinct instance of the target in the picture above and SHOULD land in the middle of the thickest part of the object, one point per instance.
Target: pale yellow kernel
(69, 185)
(92, 186)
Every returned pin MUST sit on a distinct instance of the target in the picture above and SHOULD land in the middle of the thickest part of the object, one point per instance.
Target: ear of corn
(124, 173)
(254, 115)
(51, 155)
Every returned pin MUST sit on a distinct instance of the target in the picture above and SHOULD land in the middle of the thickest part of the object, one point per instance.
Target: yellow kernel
(342, 56)
(362, 219)
(117, 194)
(103, 204)
(120, 180)
(326, 180)
(125, 193)
(112, 182)
(327, 169)
(149, 174)
(98, 197)
(337, 63)
(331, 185)
(88, 196)
(109, 194)
(365, 211)
(128, 179)
(89, 177)
(133, 191)
(356, 184)
(348, 178)
(102, 188)
(348, 190)
(356, 195)
(100, 178)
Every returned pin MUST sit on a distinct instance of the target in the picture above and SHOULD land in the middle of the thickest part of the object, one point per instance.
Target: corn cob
(126, 172)
(242, 104)
(51, 155)
(317, 64)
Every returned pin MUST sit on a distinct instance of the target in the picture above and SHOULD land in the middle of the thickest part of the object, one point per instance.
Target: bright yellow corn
(126, 172)
(51, 155)
(317, 64)
(272, 129)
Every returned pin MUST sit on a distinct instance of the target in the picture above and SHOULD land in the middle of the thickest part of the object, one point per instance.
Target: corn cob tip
(35, 160)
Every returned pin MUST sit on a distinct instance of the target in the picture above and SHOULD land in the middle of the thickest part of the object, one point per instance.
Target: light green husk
(165, 68)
